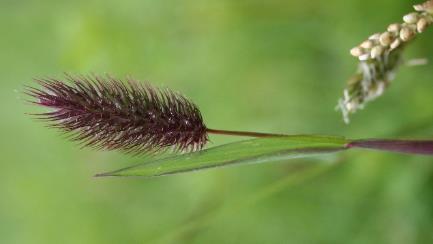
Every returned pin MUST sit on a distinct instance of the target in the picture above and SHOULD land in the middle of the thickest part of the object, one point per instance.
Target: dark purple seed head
(105, 113)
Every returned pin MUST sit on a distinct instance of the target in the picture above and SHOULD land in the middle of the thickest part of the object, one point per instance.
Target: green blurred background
(271, 66)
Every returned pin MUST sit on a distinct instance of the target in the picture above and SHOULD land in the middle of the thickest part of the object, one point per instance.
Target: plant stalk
(242, 133)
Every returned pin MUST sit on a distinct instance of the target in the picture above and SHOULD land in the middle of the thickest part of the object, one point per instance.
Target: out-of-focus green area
(271, 66)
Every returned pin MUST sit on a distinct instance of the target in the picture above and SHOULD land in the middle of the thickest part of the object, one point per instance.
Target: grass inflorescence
(379, 58)
(105, 113)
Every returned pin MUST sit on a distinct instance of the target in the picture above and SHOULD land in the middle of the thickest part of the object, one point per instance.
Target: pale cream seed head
(372, 53)
(406, 34)
(411, 18)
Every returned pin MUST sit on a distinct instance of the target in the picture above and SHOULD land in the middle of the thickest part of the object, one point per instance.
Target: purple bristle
(134, 117)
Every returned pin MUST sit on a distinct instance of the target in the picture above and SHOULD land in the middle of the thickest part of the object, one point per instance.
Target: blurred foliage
(271, 66)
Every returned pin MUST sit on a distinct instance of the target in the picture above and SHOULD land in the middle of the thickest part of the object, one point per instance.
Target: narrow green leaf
(243, 152)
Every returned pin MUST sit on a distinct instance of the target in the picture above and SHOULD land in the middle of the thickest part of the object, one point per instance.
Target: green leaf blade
(243, 152)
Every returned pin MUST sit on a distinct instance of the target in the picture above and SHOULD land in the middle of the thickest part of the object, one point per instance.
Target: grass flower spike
(104, 113)
(380, 56)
